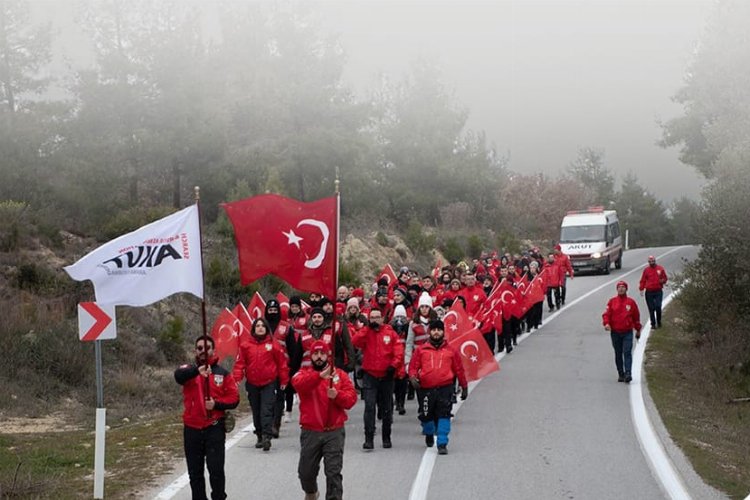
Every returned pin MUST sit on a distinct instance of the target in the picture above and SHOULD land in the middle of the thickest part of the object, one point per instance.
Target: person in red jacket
(208, 389)
(566, 268)
(620, 319)
(382, 356)
(473, 294)
(325, 393)
(653, 279)
(554, 281)
(263, 364)
(431, 371)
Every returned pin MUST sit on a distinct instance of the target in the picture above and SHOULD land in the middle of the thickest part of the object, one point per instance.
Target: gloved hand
(464, 393)
(390, 371)
(414, 382)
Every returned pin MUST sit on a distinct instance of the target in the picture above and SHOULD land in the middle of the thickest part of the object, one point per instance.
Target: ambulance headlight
(596, 255)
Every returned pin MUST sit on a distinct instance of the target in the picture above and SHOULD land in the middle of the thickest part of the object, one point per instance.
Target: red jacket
(436, 366)
(221, 387)
(653, 278)
(261, 361)
(380, 349)
(622, 314)
(318, 412)
(564, 262)
(474, 298)
(554, 274)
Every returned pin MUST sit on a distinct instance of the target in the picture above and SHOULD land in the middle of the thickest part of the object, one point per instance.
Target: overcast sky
(543, 78)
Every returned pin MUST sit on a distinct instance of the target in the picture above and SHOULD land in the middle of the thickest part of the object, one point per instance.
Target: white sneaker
(287, 417)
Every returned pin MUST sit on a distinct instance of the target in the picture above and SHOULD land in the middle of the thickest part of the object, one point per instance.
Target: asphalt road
(554, 423)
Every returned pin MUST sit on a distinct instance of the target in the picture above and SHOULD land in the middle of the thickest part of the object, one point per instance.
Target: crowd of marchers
(386, 345)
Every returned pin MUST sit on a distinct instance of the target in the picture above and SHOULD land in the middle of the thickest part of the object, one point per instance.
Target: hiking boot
(442, 450)
(387, 443)
(429, 440)
(312, 496)
(621, 378)
(367, 445)
(259, 442)
(266, 443)
(628, 378)
(509, 349)
(401, 410)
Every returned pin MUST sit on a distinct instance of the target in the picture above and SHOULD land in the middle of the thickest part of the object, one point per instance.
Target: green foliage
(131, 219)
(11, 222)
(642, 214)
(382, 239)
(452, 249)
(474, 246)
(170, 339)
(508, 242)
(589, 170)
(349, 272)
(417, 239)
(39, 279)
(223, 281)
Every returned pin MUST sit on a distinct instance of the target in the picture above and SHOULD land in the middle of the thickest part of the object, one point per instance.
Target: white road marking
(663, 470)
(182, 481)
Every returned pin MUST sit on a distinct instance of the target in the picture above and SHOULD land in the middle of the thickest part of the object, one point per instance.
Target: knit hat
(558, 247)
(382, 292)
(399, 311)
(295, 299)
(436, 324)
(317, 310)
(622, 283)
(272, 303)
(425, 300)
(401, 291)
(323, 301)
(320, 345)
(353, 302)
(358, 292)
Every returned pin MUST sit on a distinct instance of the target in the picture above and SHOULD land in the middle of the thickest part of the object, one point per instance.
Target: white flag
(147, 265)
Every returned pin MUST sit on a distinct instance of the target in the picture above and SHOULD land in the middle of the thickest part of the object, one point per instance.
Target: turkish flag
(388, 274)
(536, 290)
(296, 241)
(256, 308)
(522, 283)
(226, 333)
(436, 270)
(240, 312)
(283, 305)
(509, 298)
(476, 356)
(456, 321)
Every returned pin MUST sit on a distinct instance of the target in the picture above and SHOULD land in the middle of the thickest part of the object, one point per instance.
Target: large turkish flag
(296, 241)
(476, 356)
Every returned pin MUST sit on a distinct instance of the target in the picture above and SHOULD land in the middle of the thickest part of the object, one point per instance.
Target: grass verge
(60, 464)
(712, 432)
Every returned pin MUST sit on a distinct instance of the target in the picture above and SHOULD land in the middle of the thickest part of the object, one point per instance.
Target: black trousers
(400, 386)
(328, 446)
(378, 393)
(262, 402)
(490, 339)
(505, 336)
(653, 302)
(205, 446)
(534, 315)
(556, 290)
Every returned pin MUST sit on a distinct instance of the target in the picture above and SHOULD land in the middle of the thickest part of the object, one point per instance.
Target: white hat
(399, 311)
(425, 300)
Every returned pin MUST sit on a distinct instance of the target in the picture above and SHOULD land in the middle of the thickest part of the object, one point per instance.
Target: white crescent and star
(502, 297)
(293, 239)
(454, 326)
(473, 357)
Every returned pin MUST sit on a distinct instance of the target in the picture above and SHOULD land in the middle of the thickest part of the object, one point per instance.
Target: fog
(542, 78)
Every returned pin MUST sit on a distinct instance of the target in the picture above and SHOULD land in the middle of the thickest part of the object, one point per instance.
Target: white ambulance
(592, 240)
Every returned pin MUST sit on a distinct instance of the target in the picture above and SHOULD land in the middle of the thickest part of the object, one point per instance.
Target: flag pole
(197, 191)
(334, 282)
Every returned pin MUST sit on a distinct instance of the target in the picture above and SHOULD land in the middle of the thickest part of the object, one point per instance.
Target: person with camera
(325, 394)
(208, 390)
(432, 370)
(382, 356)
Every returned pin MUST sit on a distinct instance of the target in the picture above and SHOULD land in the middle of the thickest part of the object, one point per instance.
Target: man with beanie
(382, 356)
(208, 389)
(382, 303)
(653, 279)
(282, 333)
(620, 319)
(325, 394)
(343, 354)
(432, 370)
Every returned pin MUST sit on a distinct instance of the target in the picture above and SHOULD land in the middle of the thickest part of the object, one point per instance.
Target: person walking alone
(620, 319)
(653, 279)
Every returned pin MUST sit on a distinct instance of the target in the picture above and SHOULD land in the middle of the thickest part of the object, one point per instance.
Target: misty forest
(254, 101)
